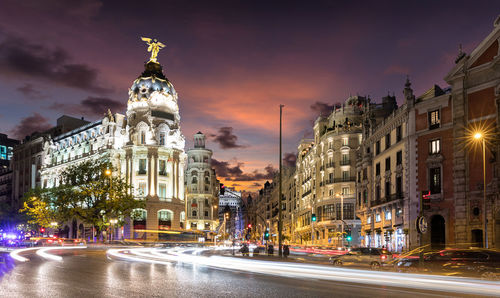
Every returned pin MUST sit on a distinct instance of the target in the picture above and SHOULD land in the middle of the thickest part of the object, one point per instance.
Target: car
(375, 258)
(482, 263)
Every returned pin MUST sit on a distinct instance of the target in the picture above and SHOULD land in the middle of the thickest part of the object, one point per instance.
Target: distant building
(202, 188)
(6, 153)
(231, 202)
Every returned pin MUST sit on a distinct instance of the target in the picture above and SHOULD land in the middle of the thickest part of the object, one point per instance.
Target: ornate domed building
(146, 147)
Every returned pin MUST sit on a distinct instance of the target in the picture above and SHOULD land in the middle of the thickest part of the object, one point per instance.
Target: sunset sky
(232, 63)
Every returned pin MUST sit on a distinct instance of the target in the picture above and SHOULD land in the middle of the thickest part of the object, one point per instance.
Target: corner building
(146, 147)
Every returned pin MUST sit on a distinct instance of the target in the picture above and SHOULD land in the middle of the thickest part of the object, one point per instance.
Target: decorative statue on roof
(154, 47)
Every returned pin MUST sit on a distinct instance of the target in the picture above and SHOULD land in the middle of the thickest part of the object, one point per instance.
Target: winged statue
(154, 47)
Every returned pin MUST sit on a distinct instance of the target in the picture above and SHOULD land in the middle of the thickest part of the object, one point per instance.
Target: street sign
(421, 225)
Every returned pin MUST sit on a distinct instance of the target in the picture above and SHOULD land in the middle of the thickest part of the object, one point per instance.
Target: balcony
(345, 179)
(330, 165)
(306, 193)
(345, 162)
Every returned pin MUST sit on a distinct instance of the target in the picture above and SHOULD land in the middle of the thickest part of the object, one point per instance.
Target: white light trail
(42, 251)
(294, 270)
(15, 254)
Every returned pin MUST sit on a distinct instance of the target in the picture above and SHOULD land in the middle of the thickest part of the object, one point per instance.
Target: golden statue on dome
(154, 47)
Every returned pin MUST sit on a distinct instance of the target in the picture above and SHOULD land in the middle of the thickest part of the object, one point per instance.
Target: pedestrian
(286, 251)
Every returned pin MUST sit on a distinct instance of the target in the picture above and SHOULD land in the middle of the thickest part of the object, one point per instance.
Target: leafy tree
(87, 191)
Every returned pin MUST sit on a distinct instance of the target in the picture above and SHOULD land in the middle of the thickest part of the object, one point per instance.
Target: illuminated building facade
(202, 188)
(146, 147)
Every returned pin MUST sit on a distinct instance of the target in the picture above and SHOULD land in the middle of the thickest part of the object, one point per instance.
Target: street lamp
(479, 136)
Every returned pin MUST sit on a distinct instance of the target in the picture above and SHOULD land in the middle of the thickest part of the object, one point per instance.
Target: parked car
(482, 263)
(363, 257)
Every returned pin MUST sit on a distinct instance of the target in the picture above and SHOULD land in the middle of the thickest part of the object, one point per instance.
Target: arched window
(193, 213)
(194, 180)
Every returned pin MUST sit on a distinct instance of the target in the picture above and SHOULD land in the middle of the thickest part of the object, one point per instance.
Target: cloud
(226, 138)
(31, 124)
(290, 159)
(234, 173)
(37, 61)
(30, 92)
(90, 106)
(323, 109)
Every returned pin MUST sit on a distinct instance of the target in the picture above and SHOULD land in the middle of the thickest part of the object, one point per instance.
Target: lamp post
(280, 196)
(480, 137)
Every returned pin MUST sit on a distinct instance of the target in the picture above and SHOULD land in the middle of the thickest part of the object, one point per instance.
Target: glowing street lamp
(479, 136)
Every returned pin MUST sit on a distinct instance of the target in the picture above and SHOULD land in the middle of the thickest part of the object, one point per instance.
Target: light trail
(15, 254)
(42, 252)
(313, 271)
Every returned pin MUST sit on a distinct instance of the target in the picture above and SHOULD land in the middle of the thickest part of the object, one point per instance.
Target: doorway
(438, 232)
(477, 238)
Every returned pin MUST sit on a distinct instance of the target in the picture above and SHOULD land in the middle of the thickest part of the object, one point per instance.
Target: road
(90, 273)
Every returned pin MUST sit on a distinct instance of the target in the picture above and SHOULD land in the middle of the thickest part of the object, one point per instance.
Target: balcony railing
(345, 179)
(345, 162)
(330, 165)
(306, 193)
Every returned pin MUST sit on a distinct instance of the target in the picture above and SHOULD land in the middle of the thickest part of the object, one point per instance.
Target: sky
(232, 63)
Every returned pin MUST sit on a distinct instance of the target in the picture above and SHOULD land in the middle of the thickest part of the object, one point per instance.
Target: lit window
(388, 215)
(435, 147)
(435, 180)
(345, 141)
(142, 189)
(369, 220)
(345, 190)
(377, 217)
(434, 119)
(162, 191)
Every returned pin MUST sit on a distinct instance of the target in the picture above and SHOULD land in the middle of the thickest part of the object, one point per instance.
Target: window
(206, 202)
(162, 138)
(164, 215)
(345, 158)
(206, 213)
(345, 141)
(162, 191)
(331, 192)
(388, 215)
(193, 213)
(377, 193)
(399, 134)
(345, 175)
(399, 212)
(162, 168)
(207, 226)
(365, 196)
(328, 212)
(142, 189)
(399, 158)
(369, 219)
(143, 137)
(348, 211)
(387, 164)
(142, 166)
(435, 147)
(377, 147)
(377, 169)
(399, 187)
(435, 180)
(387, 141)
(387, 189)
(434, 119)
(194, 225)
(345, 190)
(377, 217)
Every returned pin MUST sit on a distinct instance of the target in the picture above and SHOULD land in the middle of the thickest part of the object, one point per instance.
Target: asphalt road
(89, 273)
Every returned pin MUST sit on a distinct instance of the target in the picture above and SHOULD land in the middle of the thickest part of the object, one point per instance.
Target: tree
(87, 191)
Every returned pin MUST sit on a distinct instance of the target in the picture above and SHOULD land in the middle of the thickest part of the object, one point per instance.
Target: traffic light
(313, 217)
(266, 235)
(348, 236)
(249, 228)
(42, 230)
(222, 189)
(426, 200)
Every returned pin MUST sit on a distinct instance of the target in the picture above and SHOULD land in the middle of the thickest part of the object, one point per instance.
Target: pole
(485, 231)
(342, 215)
(280, 220)
(312, 227)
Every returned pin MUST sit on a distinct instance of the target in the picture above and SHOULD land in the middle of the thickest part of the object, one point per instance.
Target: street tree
(88, 191)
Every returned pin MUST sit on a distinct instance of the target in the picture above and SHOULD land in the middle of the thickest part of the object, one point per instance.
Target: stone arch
(165, 218)
(438, 231)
